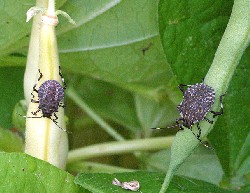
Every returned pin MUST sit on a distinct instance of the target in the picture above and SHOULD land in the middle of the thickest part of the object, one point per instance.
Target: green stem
(51, 7)
(95, 168)
(120, 147)
(232, 46)
(44, 139)
(82, 104)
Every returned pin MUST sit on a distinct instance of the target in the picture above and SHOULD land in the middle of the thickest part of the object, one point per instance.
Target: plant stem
(120, 147)
(44, 139)
(51, 7)
(82, 104)
(84, 166)
(233, 44)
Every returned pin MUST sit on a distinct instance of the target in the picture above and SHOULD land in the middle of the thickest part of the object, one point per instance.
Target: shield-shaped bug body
(50, 94)
(50, 98)
(197, 101)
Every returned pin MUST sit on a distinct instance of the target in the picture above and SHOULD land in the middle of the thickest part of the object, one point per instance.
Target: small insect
(197, 101)
(50, 98)
(146, 48)
(132, 185)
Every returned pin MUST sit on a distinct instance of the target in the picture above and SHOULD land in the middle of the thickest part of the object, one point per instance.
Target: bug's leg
(41, 75)
(173, 126)
(34, 101)
(55, 121)
(34, 87)
(221, 108)
(61, 105)
(211, 122)
(64, 83)
(199, 135)
(199, 132)
(35, 112)
(28, 117)
(181, 87)
(178, 123)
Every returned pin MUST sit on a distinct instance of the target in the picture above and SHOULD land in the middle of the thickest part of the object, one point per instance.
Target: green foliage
(149, 182)
(11, 92)
(124, 59)
(23, 173)
(233, 149)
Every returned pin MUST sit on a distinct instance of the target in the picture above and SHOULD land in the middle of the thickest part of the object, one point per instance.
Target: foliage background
(125, 59)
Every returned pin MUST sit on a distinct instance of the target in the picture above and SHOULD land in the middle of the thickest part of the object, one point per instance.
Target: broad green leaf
(245, 189)
(13, 27)
(93, 167)
(201, 165)
(11, 81)
(152, 114)
(10, 141)
(19, 121)
(115, 41)
(222, 69)
(109, 46)
(149, 182)
(109, 101)
(126, 67)
(190, 32)
(232, 132)
(23, 173)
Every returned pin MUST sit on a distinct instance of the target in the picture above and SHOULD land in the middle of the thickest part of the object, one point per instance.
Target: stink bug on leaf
(50, 98)
(197, 101)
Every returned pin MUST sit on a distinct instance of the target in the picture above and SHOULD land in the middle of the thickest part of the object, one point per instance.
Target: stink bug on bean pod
(197, 101)
(50, 98)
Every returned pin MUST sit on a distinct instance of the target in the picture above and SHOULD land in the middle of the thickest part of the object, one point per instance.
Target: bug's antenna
(158, 128)
(173, 126)
(170, 127)
(198, 137)
(27, 116)
(49, 118)
(59, 126)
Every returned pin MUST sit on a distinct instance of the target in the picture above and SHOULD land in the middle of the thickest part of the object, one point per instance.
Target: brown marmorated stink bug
(197, 101)
(50, 98)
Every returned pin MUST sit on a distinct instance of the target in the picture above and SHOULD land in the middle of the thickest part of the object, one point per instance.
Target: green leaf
(190, 32)
(152, 114)
(126, 52)
(23, 173)
(114, 52)
(149, 182)
(11, 81)
(125, 67)
(228, 54)
(115, 41)
(231, 136)
(110, 101)
(10, 141)
(19, 121)
(201, 165)
(13, 28)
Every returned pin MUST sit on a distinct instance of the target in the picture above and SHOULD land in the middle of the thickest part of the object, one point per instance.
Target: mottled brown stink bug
(197, 101)
(50, 98)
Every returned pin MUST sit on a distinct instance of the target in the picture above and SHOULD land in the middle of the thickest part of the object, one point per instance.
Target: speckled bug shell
(50, 94)
(197, 102)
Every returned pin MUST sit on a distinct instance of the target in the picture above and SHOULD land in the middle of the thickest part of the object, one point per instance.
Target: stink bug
(50, 97)
(197, 101)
